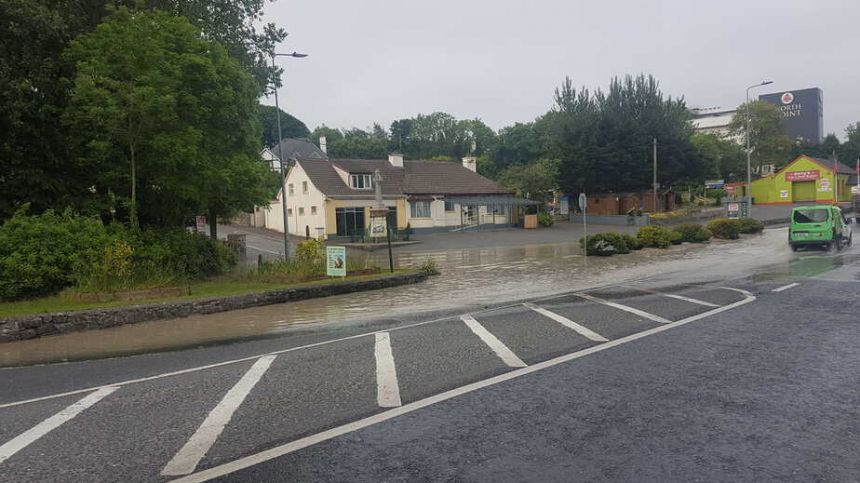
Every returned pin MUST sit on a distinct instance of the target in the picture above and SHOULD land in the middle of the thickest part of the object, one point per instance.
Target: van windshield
(811, 216)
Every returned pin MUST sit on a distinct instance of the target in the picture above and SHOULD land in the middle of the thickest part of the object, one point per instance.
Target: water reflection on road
(470, 278)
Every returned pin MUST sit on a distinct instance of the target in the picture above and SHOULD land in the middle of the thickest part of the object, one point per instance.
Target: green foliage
(291, 127)
(311, 251)
(605, 138)
(429, 267)
(768, 140)
(750, 225)
(724, 158)
(535, 180)
(45, 253)
(545, 219)
(408, 231)
(656, 236)
(163, 120)
(715, 194)
(693, 233)
(632, 242)
(725, 228)
(605, 244)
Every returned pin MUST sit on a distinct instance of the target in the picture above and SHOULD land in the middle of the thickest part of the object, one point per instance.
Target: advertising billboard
(802, 113)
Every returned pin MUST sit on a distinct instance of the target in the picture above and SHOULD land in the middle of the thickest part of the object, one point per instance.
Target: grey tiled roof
(415, 178)
(296, 148)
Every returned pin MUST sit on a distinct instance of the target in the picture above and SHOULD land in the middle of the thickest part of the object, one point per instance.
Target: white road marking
(640, 313)
(387, 389)
(31, 435)
(785, 287)
(278, 451)
(186, 460)
(264, 250)
(673, 296)
(583, 331)
(495, 344)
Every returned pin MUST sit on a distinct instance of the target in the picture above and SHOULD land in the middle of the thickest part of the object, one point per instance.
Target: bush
(182, 254)
(545, 219)
(715, 194)
(725, 228)
(311, 251)
(605, 244)
(45, 253)
(693, 233)
(429, 267)
(750, 225)
(656, 236)
(632, 242)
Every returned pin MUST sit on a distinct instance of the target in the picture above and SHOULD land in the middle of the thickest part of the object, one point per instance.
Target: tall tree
(724, 158)
(605, 139)
(768, 141)
(291, 127)
(536, 180)
(164, 121)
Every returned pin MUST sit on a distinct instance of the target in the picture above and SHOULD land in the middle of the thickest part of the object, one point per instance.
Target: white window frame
(414, 212)
(366, 181)
(305, 187)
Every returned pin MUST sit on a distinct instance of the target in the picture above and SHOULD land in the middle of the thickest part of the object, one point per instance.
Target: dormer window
(360, 182)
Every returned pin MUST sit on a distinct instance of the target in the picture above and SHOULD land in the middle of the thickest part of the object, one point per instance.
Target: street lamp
(749, 116)
(281, 155)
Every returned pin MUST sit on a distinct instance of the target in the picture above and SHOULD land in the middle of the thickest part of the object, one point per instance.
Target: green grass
(199, 290)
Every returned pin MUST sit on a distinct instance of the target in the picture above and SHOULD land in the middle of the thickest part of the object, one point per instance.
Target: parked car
(821, 225)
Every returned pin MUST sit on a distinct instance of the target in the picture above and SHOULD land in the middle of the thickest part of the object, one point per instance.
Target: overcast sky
(377, 61)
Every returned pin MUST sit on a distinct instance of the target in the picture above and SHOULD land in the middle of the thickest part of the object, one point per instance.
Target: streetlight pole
(749, 118)
(281, 156)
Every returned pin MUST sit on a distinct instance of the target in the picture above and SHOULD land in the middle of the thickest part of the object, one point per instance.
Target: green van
(818, 225)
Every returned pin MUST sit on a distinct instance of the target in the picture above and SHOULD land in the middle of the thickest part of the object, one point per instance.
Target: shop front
(805, 179)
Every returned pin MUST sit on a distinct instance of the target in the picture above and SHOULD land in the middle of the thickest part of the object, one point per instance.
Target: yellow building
(805, 179)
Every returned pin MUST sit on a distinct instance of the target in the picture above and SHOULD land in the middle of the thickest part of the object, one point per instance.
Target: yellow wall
(776, 189)
(331, 213)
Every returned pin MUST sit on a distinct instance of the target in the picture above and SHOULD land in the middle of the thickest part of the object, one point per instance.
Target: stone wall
(33, 326)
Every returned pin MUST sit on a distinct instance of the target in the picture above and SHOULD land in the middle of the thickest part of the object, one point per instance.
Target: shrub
(429, 267)
(605, 244)
(407, 232)
(656, 236)
(693, 233)
(311, 251)
(179, 253)
(715, 194)
(750, 225)
(632, 242)
(725, 228)
(45, 253)
(545, 219)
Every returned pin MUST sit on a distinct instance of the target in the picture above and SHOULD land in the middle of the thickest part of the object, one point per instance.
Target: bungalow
(805, 179)
(333, 197)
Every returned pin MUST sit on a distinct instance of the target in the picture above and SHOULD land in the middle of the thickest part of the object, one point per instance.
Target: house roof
(415, 178)
(296, 148)
(828, 164)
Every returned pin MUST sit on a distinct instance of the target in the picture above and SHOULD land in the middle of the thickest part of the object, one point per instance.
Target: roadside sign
(583, 201)
(335, 261)
(733, 210)
(378, 226)
(200, 221)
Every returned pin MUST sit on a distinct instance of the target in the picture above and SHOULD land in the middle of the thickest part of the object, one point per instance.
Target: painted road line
(673, 296)
(495, 344)
(291, 447)
(640, 313)
(28, 437)
(387, 389)
(583, 331)
(186, 460)
(264, 250)
(785, 287)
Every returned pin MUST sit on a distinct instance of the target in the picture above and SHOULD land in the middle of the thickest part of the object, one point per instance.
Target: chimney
(322, 144)
(470, 163)
(396, 160)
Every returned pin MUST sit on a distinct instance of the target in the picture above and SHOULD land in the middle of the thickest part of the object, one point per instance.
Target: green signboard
(335, 261)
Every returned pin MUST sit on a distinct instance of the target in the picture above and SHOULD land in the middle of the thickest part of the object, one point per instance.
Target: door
(803, 191)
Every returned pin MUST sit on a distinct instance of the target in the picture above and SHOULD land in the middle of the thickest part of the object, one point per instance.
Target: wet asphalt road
(727, 380)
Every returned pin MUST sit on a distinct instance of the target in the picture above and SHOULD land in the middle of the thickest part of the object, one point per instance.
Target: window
(305, 187)
(449, 205)
(290, 211)
(360, 181)
(291, 189)
(301, 210)
(420, 209)
(350, 221)
(313, 210)
(811, 216)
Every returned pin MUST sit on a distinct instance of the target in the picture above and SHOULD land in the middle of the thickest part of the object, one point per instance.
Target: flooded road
(470, 278)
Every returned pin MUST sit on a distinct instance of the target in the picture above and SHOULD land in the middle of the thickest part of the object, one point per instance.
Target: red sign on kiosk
(802, 175)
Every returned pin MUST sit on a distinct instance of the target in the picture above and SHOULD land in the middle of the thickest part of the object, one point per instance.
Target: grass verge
(198, 290)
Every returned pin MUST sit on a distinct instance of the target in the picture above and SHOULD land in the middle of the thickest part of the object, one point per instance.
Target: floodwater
(470, 278)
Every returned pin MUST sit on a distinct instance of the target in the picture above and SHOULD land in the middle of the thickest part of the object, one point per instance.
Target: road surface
(749, 378)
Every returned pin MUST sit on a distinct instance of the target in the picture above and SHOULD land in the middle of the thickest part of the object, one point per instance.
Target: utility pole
(655, 176)
(749, 151)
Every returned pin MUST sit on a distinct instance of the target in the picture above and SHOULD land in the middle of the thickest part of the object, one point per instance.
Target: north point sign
(802, 112)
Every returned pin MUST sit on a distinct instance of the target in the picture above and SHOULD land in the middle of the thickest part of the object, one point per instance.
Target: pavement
(744, 378)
